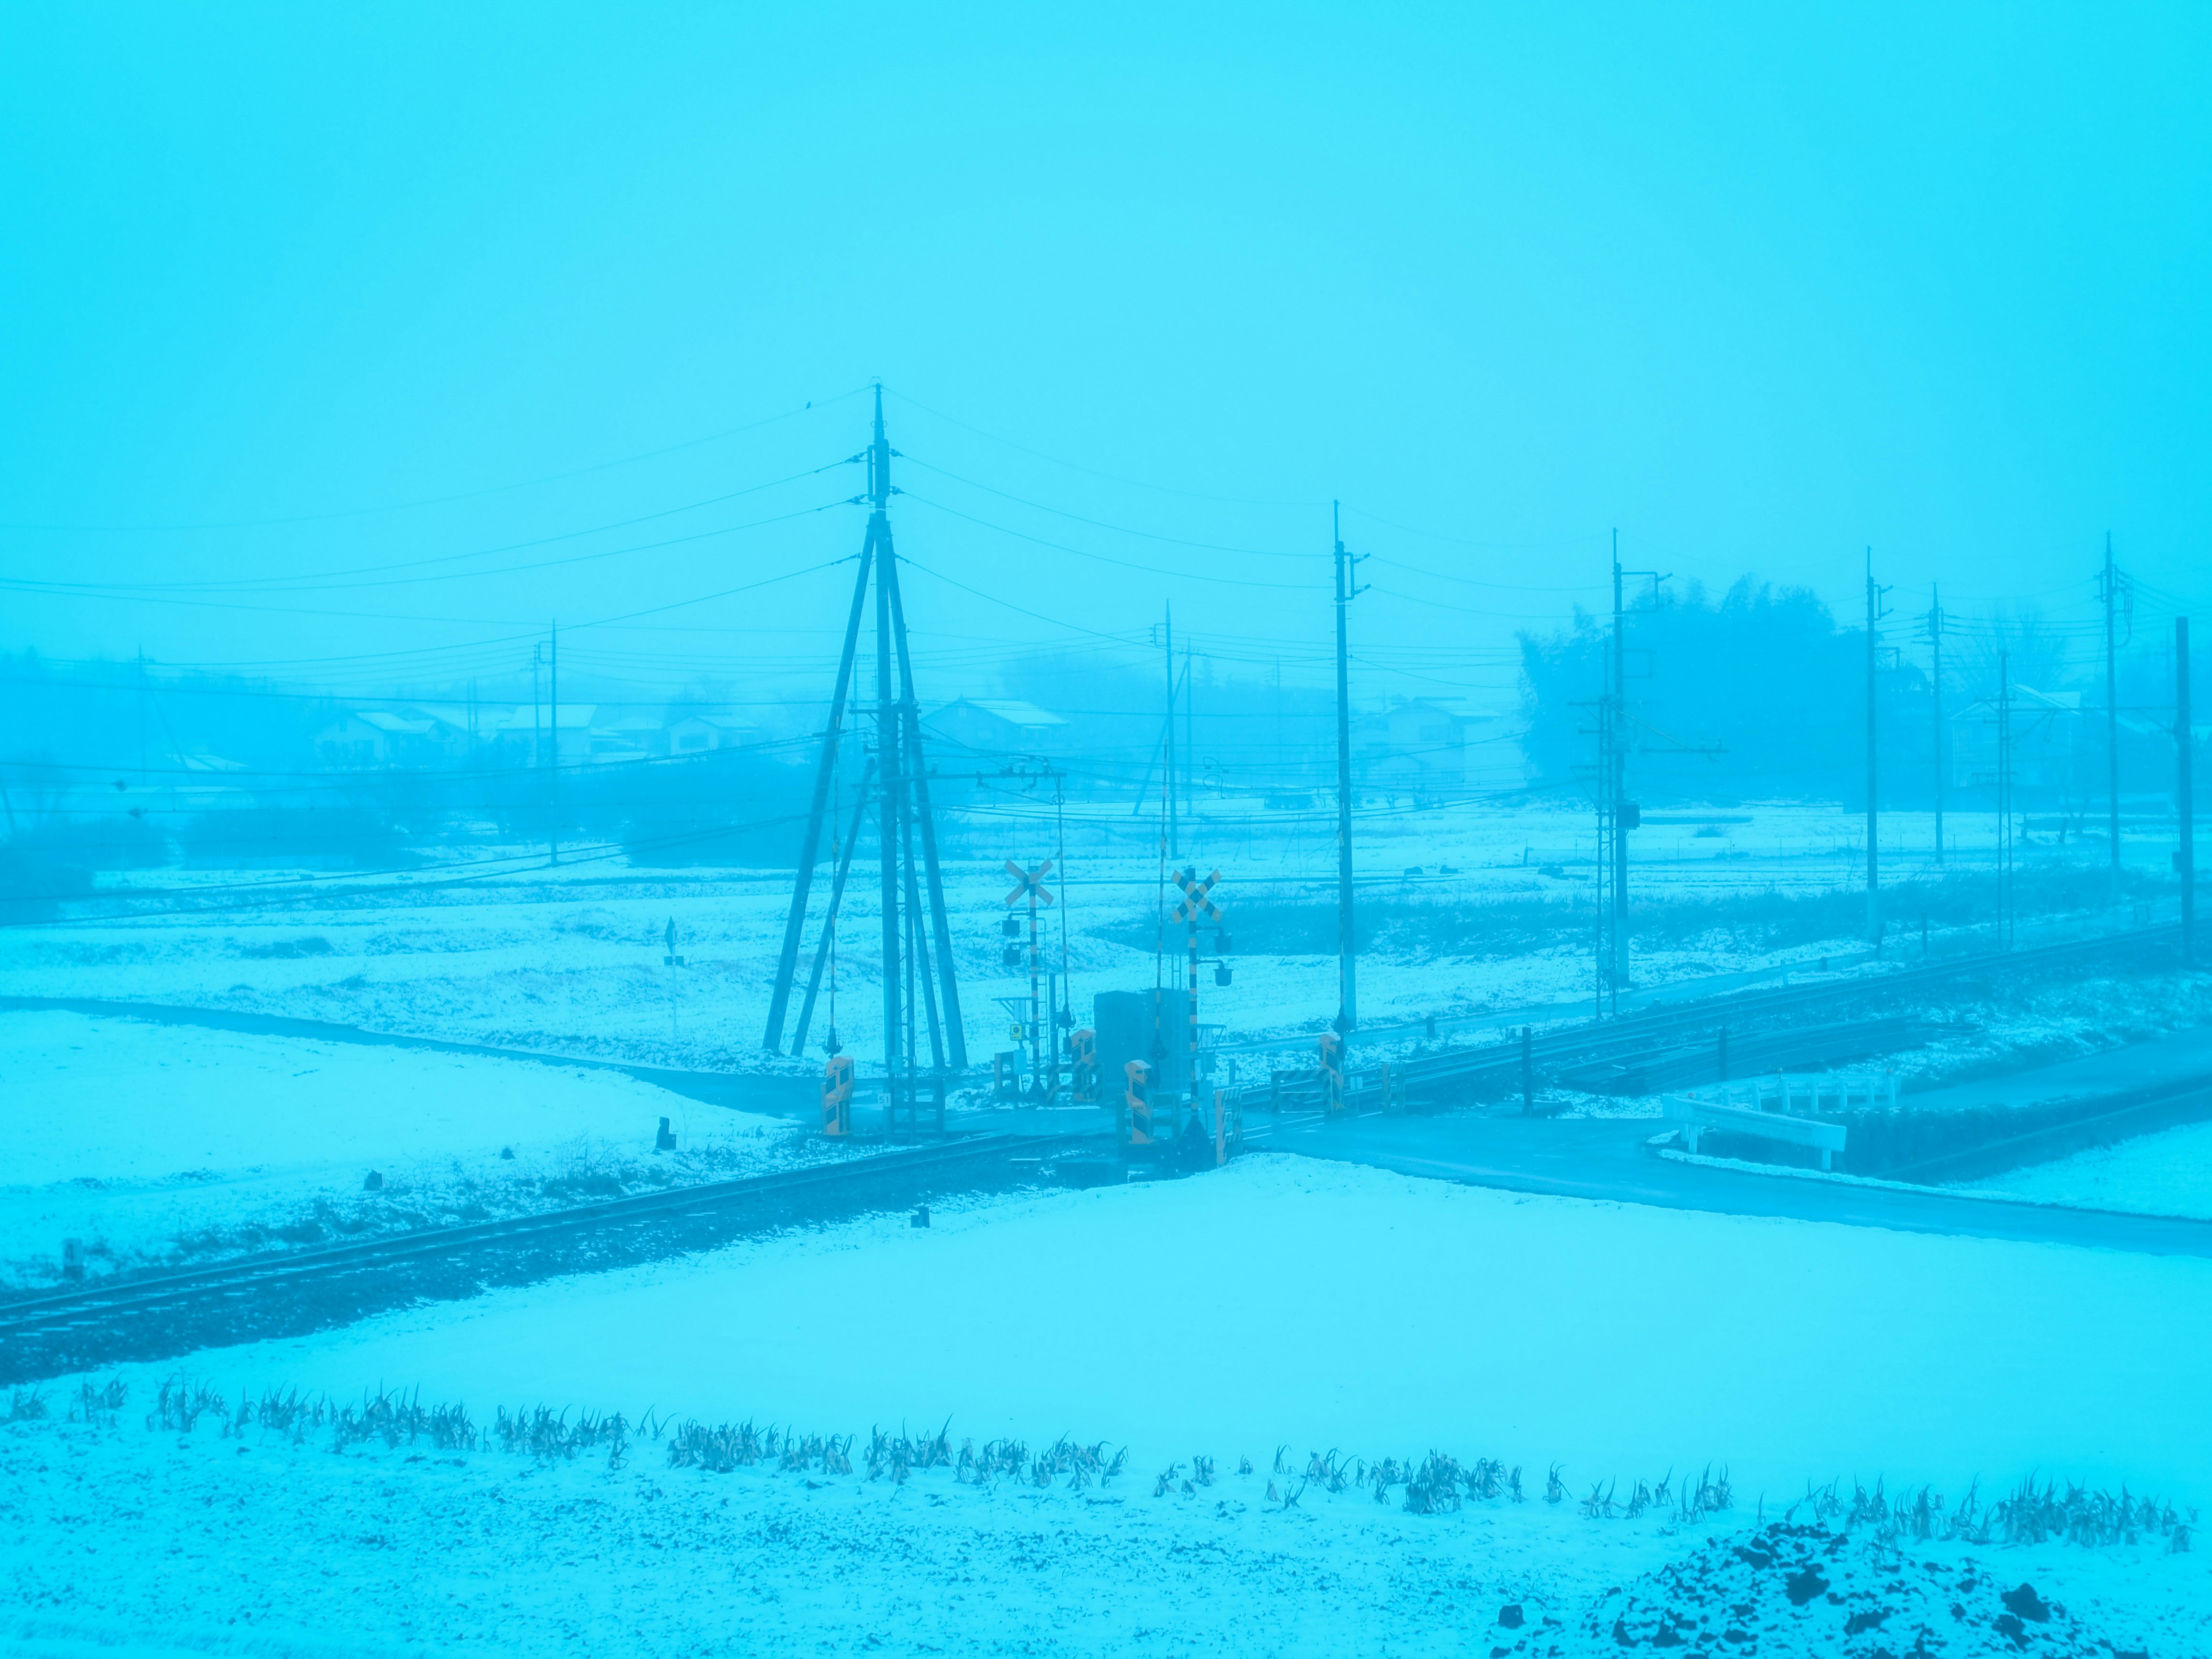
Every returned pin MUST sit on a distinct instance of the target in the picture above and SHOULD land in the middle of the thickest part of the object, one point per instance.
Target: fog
(1396, 806)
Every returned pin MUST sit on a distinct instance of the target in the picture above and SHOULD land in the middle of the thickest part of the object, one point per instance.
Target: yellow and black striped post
(1196, 902)
(1136, 1103)
(1083, 1072)
(837, 1096)
(1331, 1072)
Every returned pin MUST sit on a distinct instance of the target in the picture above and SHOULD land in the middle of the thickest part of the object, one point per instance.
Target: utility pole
(553, 777)
(1935, 683)
(1875, 614)
(2110, 583)
(887, 768)
(1189, 729)
(1616, 786)
(2004, 799)
(1174, 827)
(905, 822)
(141, 717)
(1347, 974)
(2185, 856)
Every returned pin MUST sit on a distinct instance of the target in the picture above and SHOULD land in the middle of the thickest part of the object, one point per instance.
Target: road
(1592, 1158)
(1607, 1158)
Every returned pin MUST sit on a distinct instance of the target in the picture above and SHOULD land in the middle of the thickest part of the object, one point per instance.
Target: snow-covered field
(2165, 1174)
(570, 960)
(149, 1141)
(1283, 1303)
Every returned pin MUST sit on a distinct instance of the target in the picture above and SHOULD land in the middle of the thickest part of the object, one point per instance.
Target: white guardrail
(1778, 1107)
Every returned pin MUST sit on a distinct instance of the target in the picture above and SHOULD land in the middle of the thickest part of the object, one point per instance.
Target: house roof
(1006, 708)
(399, 726)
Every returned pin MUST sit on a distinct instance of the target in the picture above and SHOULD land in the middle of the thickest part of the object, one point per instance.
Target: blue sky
(295, 292)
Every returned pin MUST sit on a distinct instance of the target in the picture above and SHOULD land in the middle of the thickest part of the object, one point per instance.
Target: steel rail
(24, 1315)
(1591, 1042)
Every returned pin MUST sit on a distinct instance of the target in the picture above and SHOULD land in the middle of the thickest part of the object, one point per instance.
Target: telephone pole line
(1347, 1012)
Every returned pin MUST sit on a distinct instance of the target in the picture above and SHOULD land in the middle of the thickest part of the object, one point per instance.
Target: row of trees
(1759, 691)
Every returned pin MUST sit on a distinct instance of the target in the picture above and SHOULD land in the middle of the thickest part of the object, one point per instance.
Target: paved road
(1607, 1158)
(1596, 1158)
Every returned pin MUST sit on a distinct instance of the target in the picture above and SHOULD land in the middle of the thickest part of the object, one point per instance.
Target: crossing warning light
(837, 1094)
(1084, 1077)
(1136, 1103)
(1331, 1072)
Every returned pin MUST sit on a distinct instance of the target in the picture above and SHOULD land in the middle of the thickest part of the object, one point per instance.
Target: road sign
(1029, 881)
(1195, 902)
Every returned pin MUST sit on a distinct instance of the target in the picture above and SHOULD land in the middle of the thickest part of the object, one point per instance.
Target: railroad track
(1637, 1039)
(154, 1316)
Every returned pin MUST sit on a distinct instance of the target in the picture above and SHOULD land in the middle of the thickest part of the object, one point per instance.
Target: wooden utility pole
(1347, 978)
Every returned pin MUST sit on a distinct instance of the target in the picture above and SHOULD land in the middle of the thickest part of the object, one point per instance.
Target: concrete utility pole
(1174, 826)
(2185, 856)
(1935, 684)
(1873, 859)
(553, 777)
(1347, 1012)
(2110, 583)
(1616, 787)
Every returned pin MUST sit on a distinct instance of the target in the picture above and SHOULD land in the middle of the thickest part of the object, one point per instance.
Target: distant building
(997, 725)
(700, 734)
(524, 735)
(1419, 744)
(2048, 748)
(372, 738)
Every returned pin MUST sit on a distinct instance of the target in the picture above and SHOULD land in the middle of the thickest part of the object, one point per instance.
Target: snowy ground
(1285, 1303)
(570, 960)
(2165, 1174)
(150, 1142)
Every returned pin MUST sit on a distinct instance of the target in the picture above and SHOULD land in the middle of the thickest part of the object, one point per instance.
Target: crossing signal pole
(1029, 885)
(906, 825)
(1197, 903)
(1348, 971)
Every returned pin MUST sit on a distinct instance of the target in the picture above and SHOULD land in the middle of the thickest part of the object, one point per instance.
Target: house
(373, 737)
(700, 734)
(626, 738)
(998, 726)
(523, 736)
(2048, 741)
(1418, 742)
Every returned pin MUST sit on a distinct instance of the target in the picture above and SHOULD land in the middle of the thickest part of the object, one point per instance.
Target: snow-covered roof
(1008, 709)
(399, 726)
